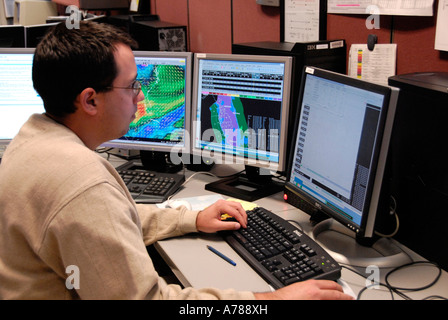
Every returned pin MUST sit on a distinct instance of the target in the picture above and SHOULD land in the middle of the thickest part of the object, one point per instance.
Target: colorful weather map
(227, 113)
(161, 115)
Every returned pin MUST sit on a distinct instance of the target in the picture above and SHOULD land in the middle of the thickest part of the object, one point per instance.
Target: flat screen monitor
(162, 123)
(12, 36)
(18, 99)
(35, 33)
(339, 155)
(103, 4)
(240, 116)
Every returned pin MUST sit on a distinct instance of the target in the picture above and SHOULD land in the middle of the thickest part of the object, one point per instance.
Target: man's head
(67, 61)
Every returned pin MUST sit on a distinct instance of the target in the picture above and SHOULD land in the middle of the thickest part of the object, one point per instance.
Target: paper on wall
(386, 7)
(374, 66)
(301, 20)
(441, 42)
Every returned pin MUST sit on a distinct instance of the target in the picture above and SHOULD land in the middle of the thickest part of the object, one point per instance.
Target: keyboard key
(279, 252)
(149, 186)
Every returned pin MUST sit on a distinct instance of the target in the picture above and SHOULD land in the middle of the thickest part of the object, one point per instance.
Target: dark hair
(67, 61)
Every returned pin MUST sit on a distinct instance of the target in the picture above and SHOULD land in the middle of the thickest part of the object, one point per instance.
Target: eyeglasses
(135, 86)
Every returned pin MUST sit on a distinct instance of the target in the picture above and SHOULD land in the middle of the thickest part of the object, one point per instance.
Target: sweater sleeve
(158, 224)
(99, 232)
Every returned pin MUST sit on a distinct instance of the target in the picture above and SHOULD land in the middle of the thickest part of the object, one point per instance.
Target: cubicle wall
(214, 25)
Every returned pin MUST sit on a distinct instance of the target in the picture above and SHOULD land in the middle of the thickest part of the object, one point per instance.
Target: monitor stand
(159, 161)
(342, 245)
(255, 184)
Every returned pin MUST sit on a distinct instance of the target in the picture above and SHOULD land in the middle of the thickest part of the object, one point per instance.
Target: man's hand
(209, 219)
(307, 290)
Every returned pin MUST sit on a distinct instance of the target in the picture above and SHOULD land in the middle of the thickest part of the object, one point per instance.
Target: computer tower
(325, 54)
(35, 33)
(124, 21)
(418, 163)
(159, 35)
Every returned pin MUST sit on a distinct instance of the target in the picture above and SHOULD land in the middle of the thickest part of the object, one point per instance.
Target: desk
(194, 265)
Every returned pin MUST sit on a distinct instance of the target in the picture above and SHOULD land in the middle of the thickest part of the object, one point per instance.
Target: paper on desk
(199, 202)
(442, 26)
(374, 66)
(246, 205)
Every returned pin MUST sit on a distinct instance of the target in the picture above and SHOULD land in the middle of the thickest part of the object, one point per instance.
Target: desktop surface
(194, 265)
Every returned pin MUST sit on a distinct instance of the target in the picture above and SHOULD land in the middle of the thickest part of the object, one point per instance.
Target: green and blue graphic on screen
(161, 115)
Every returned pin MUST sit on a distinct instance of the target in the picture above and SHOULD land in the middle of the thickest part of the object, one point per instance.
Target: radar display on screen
(160, 117)
(241, 103)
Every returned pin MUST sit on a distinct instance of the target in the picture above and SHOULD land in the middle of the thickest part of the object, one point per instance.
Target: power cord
(398, 290)
(393, 211)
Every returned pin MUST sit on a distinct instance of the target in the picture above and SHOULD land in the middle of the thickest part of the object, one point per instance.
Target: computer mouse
(177, 203)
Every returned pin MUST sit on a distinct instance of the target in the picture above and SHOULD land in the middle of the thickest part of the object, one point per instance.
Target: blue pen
(221, 255)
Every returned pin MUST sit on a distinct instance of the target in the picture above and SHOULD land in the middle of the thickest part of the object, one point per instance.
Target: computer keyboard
(280, 252)
(149, 186)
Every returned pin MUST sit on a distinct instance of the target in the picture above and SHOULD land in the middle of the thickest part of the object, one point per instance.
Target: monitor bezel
(226, 158)
(34, 33)
(177, 147)
(366, 228)
(15, 51)
(18, 33)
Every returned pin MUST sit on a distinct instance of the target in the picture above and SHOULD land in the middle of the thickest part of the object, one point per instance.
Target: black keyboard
(279, 251)
(149, 186)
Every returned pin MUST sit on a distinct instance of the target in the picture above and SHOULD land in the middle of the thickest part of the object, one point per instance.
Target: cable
(393, 211)
(394, 232)
(409, 265)
(199, 172)
(298, 225)
(398, 290)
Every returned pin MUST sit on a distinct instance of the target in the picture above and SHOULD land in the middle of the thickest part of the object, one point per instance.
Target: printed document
(374, 66)
(442, 26)
(387, 7)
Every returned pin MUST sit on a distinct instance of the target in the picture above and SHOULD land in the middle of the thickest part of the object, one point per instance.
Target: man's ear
(88, 101)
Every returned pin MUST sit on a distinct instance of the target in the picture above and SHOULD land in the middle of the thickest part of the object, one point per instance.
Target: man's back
(42, 170)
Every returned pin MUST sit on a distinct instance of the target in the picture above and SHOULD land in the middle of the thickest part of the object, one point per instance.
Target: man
(64, 209)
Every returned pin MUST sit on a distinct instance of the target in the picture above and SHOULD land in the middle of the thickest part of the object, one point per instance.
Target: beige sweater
(65, 213)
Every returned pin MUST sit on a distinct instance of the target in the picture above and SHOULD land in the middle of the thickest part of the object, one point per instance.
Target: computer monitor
(35, 33)
(103, 4)
(162, 124)
(12, 36)
(339, 153)
(240, 108)
(18, 99)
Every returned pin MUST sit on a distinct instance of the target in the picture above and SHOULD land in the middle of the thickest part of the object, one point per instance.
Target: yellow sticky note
(246, 205)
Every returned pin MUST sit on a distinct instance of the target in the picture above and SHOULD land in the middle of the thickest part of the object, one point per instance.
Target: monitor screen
(341, 140)
(18, 99)
(240, 108)
(163, 118)
(240, 114)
